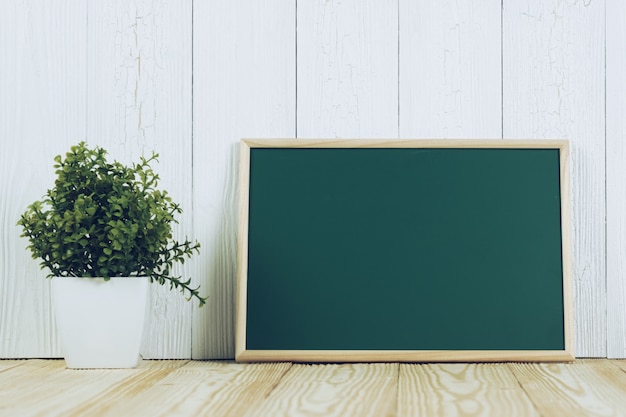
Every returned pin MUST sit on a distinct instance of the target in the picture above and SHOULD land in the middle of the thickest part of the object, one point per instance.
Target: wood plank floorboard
(122, 394)
(334, 390)
(222, 388)
(203, 389)
(10, 363)
(47, 388)
(584, 388)
(620, 363)
(450, 390)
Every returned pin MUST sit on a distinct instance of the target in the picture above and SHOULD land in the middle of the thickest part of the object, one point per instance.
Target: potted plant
(105, 232)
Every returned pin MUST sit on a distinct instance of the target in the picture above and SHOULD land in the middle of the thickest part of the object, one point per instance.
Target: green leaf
(105, 218)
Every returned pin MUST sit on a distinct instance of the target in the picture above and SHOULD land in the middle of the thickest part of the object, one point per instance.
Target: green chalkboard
(412, 251)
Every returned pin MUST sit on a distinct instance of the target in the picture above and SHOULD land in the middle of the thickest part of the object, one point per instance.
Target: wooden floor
(193, 388)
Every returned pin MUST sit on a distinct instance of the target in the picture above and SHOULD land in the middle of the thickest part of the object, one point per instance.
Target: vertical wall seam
(502, 69)
(296, 69)
(192, 117)
(398, 64)
(86, 131)
(606, 195)
(193, 188)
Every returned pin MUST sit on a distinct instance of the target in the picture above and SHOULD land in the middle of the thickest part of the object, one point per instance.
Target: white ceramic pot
(100, 322)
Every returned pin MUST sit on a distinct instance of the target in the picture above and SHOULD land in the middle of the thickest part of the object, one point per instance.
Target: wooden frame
(246, 355)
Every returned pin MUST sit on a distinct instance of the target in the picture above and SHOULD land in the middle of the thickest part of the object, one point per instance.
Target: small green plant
(105, 219)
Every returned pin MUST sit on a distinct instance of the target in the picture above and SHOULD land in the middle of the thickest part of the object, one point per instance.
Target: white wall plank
(553, 73)
(139, 100)
(244, 86)
(616, 177)
(42, 111)
(120, 74)
(347, 69)
(450, 69)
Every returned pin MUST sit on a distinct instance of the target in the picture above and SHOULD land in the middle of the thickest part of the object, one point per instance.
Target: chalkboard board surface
(365, 250)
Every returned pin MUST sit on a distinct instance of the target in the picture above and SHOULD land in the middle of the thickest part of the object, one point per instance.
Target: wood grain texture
(461, 390)
(8, 364)
(42, 111)
(450, 69)
(139, 101)
(113, 400)
(566, 248)
(24, 394)
(410, 143)
(347, 66)
(244, 85)
(585, 388)
(180, 389)
(333, 390)
(202, 389)
(338, 356)
(553, 86)
(242, 249)
(621, 364)
(615, 179)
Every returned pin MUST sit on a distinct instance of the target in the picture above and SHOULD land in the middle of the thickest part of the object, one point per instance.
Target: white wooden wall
(189, 78)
